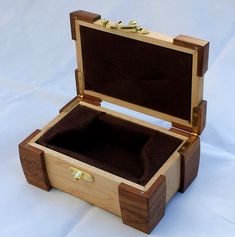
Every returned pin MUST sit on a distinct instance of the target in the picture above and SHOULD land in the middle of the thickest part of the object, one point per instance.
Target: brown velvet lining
(118, 146)
(141, 73)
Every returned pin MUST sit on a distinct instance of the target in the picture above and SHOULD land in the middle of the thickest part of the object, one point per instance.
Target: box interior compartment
(112, 144)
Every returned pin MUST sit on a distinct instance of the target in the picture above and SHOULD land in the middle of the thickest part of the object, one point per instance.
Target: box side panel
(33, 164)
(101, 192)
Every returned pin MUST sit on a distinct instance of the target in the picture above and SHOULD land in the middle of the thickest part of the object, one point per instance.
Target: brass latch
(79, 174)
(131, 27)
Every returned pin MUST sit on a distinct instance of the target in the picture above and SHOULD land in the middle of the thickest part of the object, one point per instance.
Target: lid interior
(144, 74)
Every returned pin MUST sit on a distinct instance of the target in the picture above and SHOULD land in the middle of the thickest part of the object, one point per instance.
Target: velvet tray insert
(115, 145)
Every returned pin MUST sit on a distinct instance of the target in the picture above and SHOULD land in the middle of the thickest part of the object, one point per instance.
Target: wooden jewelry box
(119, 163)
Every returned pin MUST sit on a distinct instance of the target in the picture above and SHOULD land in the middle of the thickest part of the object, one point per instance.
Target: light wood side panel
(85, 166)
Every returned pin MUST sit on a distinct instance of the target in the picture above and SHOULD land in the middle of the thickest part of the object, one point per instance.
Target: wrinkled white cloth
(37, 62)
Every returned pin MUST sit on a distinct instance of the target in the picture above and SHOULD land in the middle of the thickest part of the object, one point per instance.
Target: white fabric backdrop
(37, 62)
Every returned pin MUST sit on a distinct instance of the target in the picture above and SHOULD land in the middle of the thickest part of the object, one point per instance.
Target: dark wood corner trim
(66, 107)
(190, 157)
(33, 164)
(82, 16)
(92, 100)
(143, 210)
(200, 121)
(201, 46)
(200, 112)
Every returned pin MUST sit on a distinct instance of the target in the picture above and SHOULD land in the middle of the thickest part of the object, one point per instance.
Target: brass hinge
(195, 121)
(80, 83)
(132, 26)
(187, 143)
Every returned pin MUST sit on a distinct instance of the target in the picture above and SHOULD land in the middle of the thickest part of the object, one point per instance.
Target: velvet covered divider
(142, 73)
(115, 145)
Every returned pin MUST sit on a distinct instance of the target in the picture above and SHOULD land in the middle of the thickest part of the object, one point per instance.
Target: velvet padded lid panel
(137, 72)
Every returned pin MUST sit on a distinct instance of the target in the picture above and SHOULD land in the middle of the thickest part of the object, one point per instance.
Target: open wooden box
(124, 165)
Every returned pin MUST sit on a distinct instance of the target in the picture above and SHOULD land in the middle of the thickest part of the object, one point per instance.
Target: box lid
(150, 73)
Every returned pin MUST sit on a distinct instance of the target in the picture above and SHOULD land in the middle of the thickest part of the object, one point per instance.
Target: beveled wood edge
(33, 163)
(143, 210)
(82, 16)
(202, 46)
(190, 157)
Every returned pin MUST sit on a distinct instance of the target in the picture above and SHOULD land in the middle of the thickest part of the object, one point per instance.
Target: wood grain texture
(143, 210)
(92, 100)
(72, 102)
(102, 192)
(33, 164)
(152, 38)
(184, 133)
(198, 126)
(201, 117)
(201, 46)
(190, 157)
(182, 127)
(82, 16)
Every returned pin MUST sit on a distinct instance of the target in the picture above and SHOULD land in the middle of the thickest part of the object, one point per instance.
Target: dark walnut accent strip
(92, 100)
(201, 46)
(143, 210)
(33, 164)
(200, 112)
(82, 16)
(70, 104)
(86, 98)
(190, 157)
(200, 121)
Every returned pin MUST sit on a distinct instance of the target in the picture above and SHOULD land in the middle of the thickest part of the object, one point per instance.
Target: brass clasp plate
(131, 27)
(79, 174)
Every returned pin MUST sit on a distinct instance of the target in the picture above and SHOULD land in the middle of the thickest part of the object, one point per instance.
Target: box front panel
(101, 192)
